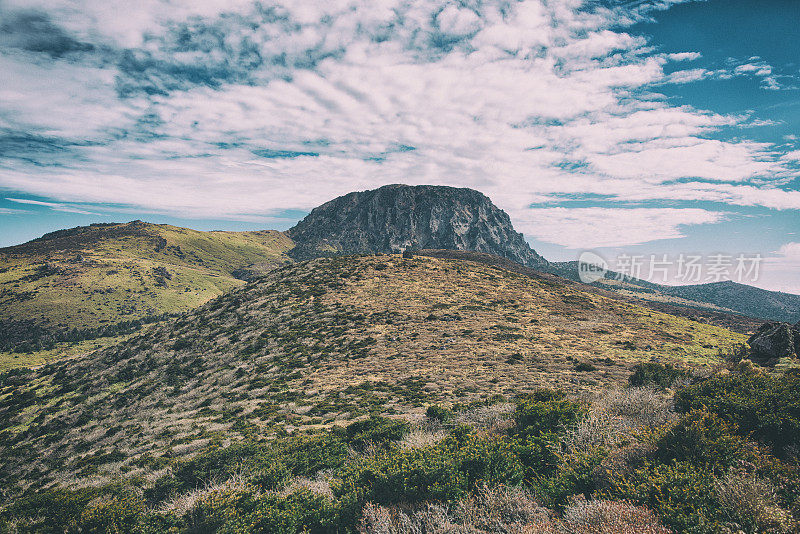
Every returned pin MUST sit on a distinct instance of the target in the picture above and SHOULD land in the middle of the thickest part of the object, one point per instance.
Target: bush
(703, 439)
(545, 411)
(655, 374)
(762, 407)
(437, 413)
(259, 462)
(444, 471)
(375, 431)
(243, 511)
(750, 502)
(111, 514)
(681, 494)
(47, 510)
(265, 465)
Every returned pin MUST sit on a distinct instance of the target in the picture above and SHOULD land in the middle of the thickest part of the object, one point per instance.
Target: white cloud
(610, 227)
(781, 268)
(55, 206)
(685, 56)
(458, 21)
(524, 101)
(756, 69)
(687, 76)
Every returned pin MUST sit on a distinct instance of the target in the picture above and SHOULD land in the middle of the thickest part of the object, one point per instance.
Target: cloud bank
(242, 110)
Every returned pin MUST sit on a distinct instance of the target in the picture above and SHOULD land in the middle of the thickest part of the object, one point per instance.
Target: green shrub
(681, 493)
(764, 408)
(261, 464)
(575, 476)
(538, 455)
(265, 465)
(244, 511)
(444, 471)
(437, 413)
(545, 411)
(703, 439)
(53, 510)
(111, 514)
(655, 374)
(376, 430)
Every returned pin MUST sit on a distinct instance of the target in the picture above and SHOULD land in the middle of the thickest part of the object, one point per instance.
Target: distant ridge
(724, 296)
(396, 217)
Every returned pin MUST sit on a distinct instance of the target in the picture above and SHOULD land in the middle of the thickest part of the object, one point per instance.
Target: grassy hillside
(616, 290)
(320, 343)
(100, 275)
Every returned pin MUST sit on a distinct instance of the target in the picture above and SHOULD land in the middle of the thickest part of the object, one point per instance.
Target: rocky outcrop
(776, 340)
(394, 218)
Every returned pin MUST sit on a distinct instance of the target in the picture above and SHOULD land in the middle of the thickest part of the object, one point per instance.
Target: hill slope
(102, 274)
(395, 217)
(320, 343)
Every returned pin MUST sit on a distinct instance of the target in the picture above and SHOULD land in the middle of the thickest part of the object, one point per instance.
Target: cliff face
(395, 217)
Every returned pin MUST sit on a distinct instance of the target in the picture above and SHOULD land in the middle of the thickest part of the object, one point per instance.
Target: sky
(632, 128)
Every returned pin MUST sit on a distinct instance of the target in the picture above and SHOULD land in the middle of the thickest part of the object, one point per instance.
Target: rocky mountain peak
(396, 217)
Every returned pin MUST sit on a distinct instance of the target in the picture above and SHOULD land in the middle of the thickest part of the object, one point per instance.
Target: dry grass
(423, 433)
(750, 502)
(320, 484)
(493, 418)
(510, 511)
(502, 509)
(610, 517)
(617, 413)
(184, 503)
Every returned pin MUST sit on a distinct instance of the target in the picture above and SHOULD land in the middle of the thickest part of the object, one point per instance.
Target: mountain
(105, 279)
(104, 274)
(319, 343)
(102, 278)
(741, 298)
(725, 297)
(393, 218)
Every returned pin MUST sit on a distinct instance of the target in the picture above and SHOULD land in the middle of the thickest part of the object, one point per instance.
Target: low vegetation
(652, 469)
(383, 394)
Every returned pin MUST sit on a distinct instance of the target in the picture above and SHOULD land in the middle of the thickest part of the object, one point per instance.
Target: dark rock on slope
(398, 217)
(776, 340)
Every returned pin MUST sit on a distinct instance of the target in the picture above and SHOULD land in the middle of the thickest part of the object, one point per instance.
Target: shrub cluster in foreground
(725, 461)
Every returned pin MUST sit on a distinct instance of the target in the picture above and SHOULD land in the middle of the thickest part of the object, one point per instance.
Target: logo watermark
(676, 268)
(591, 267)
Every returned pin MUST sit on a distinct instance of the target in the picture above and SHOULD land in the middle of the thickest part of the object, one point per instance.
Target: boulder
(776, 340)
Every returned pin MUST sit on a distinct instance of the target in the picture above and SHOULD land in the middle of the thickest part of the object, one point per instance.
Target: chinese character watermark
(678, 268)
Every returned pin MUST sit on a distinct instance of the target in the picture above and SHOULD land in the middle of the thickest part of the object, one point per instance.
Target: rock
(408, 254)
(394, 218)
(776, 340)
